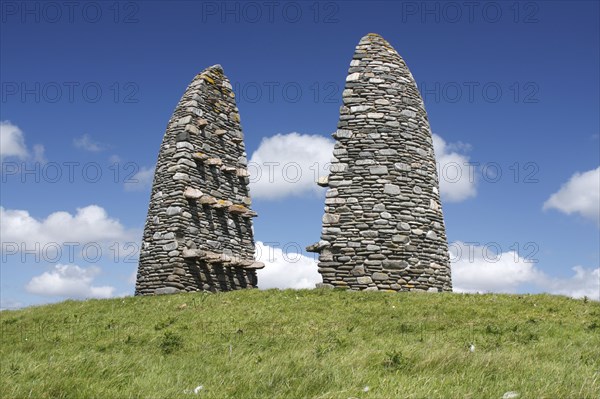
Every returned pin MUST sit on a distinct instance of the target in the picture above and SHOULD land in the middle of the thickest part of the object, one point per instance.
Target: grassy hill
(304, 344)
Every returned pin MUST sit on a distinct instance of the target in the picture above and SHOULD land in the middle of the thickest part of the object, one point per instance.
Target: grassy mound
(304, 344)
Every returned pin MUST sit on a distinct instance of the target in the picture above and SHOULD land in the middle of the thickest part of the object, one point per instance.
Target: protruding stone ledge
(240, 172)
(237, 209)
(193, 253)
(213, 162)
(342, 134)
(222, 259)
(318, 246)
(222, 204)
(207, 200)
(323, 181)
(200, 157)
(250, 214)
(255, 266)
(313, 248)
(192, 193)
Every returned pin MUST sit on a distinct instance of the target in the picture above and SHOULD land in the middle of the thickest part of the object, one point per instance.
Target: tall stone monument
(198, 233)
(383, 227)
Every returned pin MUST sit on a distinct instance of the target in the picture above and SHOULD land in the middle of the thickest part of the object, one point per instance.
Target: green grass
(304, 344)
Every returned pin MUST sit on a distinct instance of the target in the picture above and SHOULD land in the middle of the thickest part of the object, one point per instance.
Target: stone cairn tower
(198, 233)
(383, 227)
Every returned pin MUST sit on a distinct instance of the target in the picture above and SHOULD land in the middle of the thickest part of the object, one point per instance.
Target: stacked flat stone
(198, 233)
(383, 227)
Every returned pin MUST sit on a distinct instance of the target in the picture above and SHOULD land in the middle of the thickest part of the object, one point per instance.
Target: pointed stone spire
(198, 233)
(383, 227)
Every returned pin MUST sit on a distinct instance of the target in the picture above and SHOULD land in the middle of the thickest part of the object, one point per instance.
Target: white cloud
(39, 153)
(12, 141)
(581, 194)
(69, 281)
(141, 180)
(457, 178)
(285, 268)
(12, 144)
(89, 225)
(86, 143)
(477, 268)
(585, 282)
(289, 164)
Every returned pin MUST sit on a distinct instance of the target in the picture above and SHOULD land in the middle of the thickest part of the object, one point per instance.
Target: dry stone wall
(198, 233)
(383, 227)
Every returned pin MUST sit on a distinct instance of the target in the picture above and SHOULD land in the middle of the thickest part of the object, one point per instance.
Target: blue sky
(511, 89)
